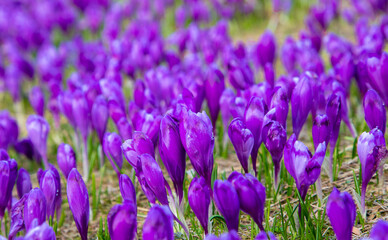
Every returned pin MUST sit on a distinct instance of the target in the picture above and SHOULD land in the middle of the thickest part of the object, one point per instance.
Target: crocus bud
(253, 205)
(23, 182)
(321, 130)
(159, 224)
(240, 74)
(280, 103)
(265, 236)
(78, 198)
(66, 159)
(9, 130)
(274, 138)
(266, 49)
(253, 117)
(377, 75)
(122, 222)
(124, 128)
(214, 87)
(374, 109)
(34, 208)
(116, 111)
(301, 104)
(227, 203)
(172, 153)
(99, 116)
(197, 138)
(379, 231)
(50, 183)
(199, 196)
(36, 97)
(42, 232)
(139, 144)
(112, 148)
(81, 114)
(8, 174)
(269, 74)
(66, 106)
(371, 149)
(242, 140)
(26, 147)
(127, 189)
(341, 211)
(333, 112)
(38, 130)
(302, 165)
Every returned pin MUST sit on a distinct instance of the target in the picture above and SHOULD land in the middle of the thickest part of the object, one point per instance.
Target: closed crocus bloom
(9, 130)
(333, 112)
(269, 74)
(36, 97)
(378, 75)
(253, 118)
(150, 126)
(66, 159)
(26, 147)
(226, 97)
(253, 205)
(172, 153)
(66, 106)
(197, 138)
(379, 231)
(374, 109)
(38, 130)
(112, 148)
(214, 87)
(199, 196)
(159, 224)
(266, 49)
(78, 198)
(265, 236)
(42, 232)
(122, 222)
(23, 182)
(242, 140)
(227, 202)
(274, 138)
(99, 116)
(138, 145)
(280, 103)
(240, 74)
(8, 174)
(371, 151)
(302, 165)
(127, 189)
(116, 111)
(50, 183)
(124, 128)
(301, 104)
(34, 208)
(321, 130)
(341, 211)
(81, 113)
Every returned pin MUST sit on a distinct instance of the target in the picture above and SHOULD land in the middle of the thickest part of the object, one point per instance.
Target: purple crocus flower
(240, 74)
(379, 231)
(274, 138)
(374, 109)
(8, 174)
(302, 165)
(66, 106)
(265, 51)
(41, 232)
(23, 182)
(378, 75)
(199, 196)
(124, 128)
(127, 189)
(231, 235)
(214, 87)
(17, 216)
(227, 202)
(26, 147)
(341, 211)
(172, 153)
(197, 138)
(122, 221)
(99, 116)
(371, 149)
(78, 198)
(50, 183)
(159, 224)
(66, 159)
(321, 130)
(138, 145)
(36, 97)
(301, 104)
(269, 74)
(34, 209)
(253, 117)
(38, 130)
(112, 148)
(242, 140)
(333, 112)
(279, 102)
(265, 236)
(253, 205)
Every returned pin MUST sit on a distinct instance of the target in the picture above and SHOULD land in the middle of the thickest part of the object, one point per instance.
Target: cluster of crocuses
(170, 79)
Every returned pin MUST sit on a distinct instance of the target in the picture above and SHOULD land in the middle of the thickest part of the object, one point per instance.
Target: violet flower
(158, 224)
(112, 149)
(341, 211)
(36, 97)
(127, 189)
(377, 75)
(8, 174)
(265, 236)
(99, 117)
(253, 205)
(135, 147)
(199, 197)
(34, 209)
(23, 182)
(197, 138)
(265, 51)
(371, 149)
(279, 101)
(124, 128)
(26, 147)
(172, 153)
(242, 140)
(50, 183)
(227, 201)
(321, 130)
(379, 230)
(214, 88)
(78, 198)
(301, 104)
(66, 159)
(41, 232)
(374, 109)
(231, 235)
(122, 223)
(38, 130)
